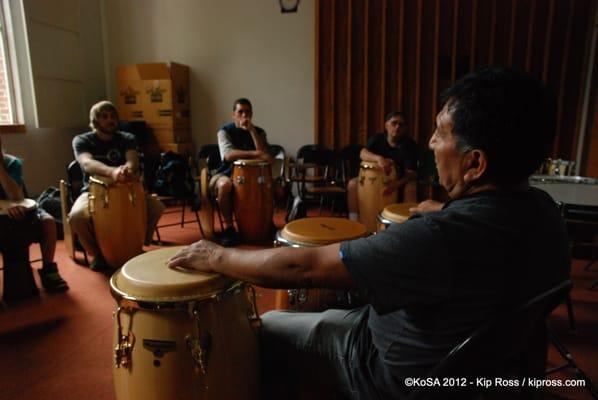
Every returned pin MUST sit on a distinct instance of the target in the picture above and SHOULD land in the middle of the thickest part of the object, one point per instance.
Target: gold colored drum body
(370, 197)
(311, 232)
(253, 200)
(394, 214)
(182, 334)
(119, 215)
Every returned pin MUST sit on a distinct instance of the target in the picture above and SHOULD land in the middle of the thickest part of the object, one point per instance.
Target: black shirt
(440, 275)
(404, 154)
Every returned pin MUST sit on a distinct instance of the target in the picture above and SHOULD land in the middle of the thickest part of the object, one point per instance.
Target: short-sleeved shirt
(232, 138)
(435, 278)
(110, 152)
(404, 154)
(14, 168)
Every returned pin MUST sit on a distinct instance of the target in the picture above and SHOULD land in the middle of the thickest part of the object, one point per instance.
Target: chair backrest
(279, 154)
(75, 180)
(351, 157)
(490, 350)
(209, 155)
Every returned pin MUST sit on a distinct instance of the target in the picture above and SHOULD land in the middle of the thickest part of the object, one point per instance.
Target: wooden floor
(59, 346)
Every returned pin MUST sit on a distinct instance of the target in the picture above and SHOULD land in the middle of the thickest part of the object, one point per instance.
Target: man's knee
(352, 185)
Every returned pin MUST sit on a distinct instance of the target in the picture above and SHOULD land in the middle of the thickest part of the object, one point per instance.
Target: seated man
(437, 277)
(386, 148)
(107, 152)
(239, 139)
(43, 228)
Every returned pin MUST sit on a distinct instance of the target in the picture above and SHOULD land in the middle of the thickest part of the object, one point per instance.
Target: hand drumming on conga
(427, 206)
(196, 256)
(122, 173)
(386, 165)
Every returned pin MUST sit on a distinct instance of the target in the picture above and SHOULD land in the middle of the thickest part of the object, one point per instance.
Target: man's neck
(106, 137)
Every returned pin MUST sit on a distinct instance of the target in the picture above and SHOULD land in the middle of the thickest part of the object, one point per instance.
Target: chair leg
(570, 314)
(199, 223)
(157, 230)
(183, 214)
(570, 363)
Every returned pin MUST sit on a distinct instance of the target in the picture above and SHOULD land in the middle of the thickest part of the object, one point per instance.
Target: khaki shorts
(212, 188)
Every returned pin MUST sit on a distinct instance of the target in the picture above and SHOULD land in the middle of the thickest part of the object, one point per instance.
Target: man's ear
(476, 163)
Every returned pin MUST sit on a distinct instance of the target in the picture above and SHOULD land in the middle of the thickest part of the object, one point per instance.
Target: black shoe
(228, 238)
(51, 279)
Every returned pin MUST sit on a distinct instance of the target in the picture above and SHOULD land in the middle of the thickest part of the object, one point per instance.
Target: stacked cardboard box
(158, 93)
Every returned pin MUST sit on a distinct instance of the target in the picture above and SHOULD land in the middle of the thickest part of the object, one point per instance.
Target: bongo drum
(371, 184)
(253, 201)
(119, 215)
(312, 232)
(15, 238)
(181, 334)
(394, 214)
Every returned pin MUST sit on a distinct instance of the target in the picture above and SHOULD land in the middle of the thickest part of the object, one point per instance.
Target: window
(11, 113)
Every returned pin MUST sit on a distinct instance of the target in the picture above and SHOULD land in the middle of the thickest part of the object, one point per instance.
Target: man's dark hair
(242, 101)
(509, 115)
(393, 114)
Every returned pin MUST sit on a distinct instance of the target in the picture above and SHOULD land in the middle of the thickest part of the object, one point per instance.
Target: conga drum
(394, 214)
(119, 215)
(312, 232)
(181, 334)
(253, 200)
(15, 238)
(370, 197)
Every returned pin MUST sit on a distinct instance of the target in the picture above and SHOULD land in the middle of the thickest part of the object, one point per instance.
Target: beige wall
(234, 48)
(61, 66)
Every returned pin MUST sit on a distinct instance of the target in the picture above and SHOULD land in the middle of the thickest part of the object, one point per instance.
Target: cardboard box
(168, 135)
(186, 148)
(157, 93)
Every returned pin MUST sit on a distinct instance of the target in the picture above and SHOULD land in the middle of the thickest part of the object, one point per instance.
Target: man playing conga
(43, 226)
(239, 139)
(106, 152)
(434, 279)
(393, 146)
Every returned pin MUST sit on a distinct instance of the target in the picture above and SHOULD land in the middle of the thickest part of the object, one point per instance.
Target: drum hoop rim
(244, 162)
(280, 240)
(180, 302)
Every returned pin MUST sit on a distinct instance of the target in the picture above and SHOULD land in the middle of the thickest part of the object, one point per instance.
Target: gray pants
(318, 351)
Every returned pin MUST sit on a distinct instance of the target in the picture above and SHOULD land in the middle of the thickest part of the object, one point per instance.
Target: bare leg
(224, 187)
(48, 240)
(352, 203)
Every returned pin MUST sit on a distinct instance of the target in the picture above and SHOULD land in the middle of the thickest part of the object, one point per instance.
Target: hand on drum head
(264, 156)
(386, 165)
(122, 174)
(427, 206)
(16, 212)
(197, 256)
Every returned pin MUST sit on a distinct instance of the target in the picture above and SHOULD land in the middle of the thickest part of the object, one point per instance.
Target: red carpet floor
(59, 346)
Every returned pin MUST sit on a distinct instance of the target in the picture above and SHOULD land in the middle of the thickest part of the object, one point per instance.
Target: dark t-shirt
(438, 276)
(404, 154)
(232, 138)
(110, 152)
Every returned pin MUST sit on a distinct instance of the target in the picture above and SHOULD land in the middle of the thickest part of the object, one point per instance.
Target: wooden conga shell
(181, 334)
(313, 232)
(370, 187)
(119, 215)
(253, 200)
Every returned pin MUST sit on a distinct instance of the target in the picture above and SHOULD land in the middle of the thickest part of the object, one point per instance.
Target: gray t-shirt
(438, 276)
(110, 152)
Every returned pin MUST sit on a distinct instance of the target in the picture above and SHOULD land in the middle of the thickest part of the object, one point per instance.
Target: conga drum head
(320, 231)
(398, 212)
(29, 204)
(147, 278)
